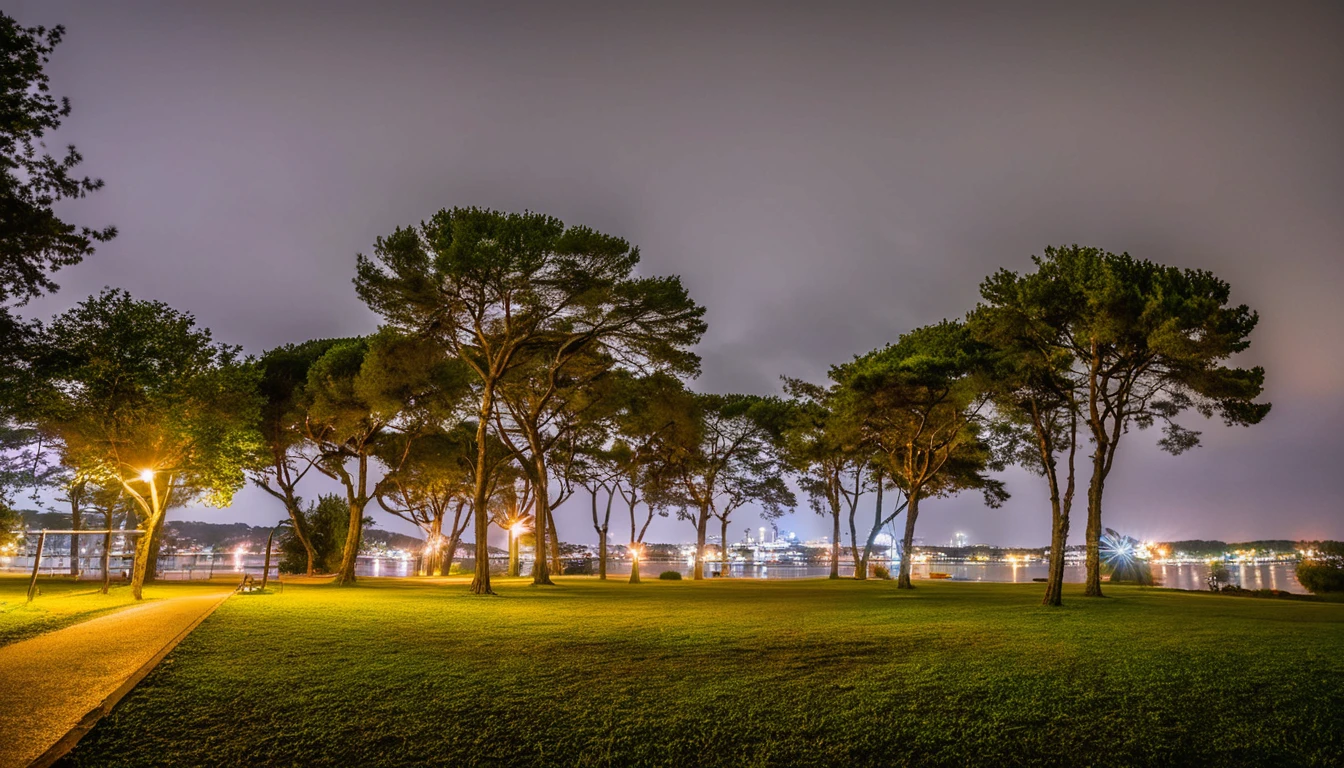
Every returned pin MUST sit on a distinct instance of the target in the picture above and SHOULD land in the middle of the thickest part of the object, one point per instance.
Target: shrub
(9, 522)
(882, 572)
(1218, 575)
(326, 521)
(670, 576)
(582, 567)
(1323, 571)
(1132, 571)
(1233, 589)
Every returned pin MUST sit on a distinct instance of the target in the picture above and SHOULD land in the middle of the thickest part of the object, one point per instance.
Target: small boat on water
(939, 575)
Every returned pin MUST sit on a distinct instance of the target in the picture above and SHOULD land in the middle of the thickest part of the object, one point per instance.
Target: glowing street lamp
(515, 532)
(147, 475)
(634, 562)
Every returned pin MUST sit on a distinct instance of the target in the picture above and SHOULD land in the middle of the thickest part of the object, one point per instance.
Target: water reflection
(1175, 575)
(1192, 576)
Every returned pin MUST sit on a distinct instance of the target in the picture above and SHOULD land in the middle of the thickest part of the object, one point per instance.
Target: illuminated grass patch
(63, 602)
(396, 673)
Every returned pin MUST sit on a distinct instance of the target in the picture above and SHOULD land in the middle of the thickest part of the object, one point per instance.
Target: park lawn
(63, 601)
(739, 673)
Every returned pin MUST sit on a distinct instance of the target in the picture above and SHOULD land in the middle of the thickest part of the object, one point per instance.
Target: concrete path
(55, 686)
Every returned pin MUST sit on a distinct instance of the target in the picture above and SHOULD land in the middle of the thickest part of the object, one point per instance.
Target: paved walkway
(56, 682)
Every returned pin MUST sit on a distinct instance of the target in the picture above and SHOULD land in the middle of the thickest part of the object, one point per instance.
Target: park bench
(251, 583)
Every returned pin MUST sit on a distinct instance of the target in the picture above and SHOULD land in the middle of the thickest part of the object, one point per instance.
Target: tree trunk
(557, 565)
(601, 537)
(1059, 533)
(723, 546)
(603, 531)
(635, 540)
(357, 498)
(835, 543)
(266, 565)
(350, 553)
(602, 554)
(435, 565)
(76, 522)
(453, 542)
(459, 527)
(299, 526)
(541, 566)
(107, 552)
(859, 556)
(155, 537)
(1059, 537)
(1060, 508)
(1092, 585)
(872, 534)
(541, 569)
(908, 542)
(1092, 582)
(701, 523)
(480, 500)
(143, 552)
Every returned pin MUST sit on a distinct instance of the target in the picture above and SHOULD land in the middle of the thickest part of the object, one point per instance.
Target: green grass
(735, 673)
(63, 602)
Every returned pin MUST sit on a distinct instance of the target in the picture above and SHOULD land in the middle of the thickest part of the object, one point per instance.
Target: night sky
(823, 177)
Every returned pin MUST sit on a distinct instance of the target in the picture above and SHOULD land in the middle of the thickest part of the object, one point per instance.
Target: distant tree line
(522, 361)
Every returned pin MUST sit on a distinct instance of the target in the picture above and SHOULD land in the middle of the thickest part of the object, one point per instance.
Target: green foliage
(647, 416)
(882, 572)
(1111, 342)
(284, 374)
(732, 458)
(1028, 370)
(327, 522)
(9, 521)
(34, 241)
(487, 284)
(124, 385)
(920, 403)
(360, 391)
(436, 471)
(538, 311)
(825, 445)
(1156, 337)
(1323, 570)
(670, 576)
(362, 394)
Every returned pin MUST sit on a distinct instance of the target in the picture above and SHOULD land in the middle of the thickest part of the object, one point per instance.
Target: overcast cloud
(822, 176)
